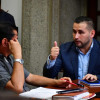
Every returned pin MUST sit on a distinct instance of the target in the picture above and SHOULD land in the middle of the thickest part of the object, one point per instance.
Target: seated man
(79, 59)
(12, 74)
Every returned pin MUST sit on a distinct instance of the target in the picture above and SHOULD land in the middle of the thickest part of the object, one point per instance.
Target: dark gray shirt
(6, 68)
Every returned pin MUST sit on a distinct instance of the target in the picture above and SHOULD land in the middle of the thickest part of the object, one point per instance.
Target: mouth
(77, 42)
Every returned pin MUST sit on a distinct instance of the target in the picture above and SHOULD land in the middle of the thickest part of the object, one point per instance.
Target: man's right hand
(15, 49)
(54, 51)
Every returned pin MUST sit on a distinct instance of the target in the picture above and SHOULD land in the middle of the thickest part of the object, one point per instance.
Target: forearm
(41, 81)
(17, 78)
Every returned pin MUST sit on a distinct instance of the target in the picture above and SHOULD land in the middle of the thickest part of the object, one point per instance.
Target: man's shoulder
(68, 44)
(96, 42)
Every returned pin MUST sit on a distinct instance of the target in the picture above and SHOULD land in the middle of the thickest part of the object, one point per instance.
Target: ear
(92, 33)
(4, 42)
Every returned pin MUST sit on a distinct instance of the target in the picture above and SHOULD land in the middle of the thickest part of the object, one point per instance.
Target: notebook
(90, 83)
(74, 96)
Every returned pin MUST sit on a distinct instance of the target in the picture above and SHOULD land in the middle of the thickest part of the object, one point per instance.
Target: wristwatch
(21, 61)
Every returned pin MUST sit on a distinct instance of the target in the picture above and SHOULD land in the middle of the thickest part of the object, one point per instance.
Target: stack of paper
(40, 93)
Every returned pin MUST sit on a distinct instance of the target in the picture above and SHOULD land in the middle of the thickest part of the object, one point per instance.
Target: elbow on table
(19, 89)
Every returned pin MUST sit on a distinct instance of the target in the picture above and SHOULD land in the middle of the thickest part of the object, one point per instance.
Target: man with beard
(79, 59)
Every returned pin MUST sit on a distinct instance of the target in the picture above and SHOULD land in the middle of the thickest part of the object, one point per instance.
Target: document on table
(40, 93)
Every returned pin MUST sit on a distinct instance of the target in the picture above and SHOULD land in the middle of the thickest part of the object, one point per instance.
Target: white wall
(14, 7)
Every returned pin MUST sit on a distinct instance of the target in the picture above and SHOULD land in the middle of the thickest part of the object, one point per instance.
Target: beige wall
(69, 10)
(43, 22)
(14, 7)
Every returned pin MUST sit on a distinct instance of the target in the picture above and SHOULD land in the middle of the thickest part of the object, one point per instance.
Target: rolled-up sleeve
(26, 73)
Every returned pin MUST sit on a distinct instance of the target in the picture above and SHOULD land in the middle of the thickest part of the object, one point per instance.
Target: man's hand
(15, 49)
(54, 51)
(90, 77)
(62, 82)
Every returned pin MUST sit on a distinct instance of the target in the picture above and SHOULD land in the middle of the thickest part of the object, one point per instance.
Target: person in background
(6, 17)
(13, 75)
(79, 59)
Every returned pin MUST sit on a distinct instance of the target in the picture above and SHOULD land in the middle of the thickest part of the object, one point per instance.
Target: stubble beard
(82, 45)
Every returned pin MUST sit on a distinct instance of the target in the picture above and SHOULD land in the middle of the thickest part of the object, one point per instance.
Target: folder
(90, 83)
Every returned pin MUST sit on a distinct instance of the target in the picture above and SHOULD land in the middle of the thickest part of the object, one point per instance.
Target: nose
(76, 35)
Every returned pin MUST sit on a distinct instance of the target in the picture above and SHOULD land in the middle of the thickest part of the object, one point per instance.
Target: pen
(71, 83)
(80, 85)
(75, 84)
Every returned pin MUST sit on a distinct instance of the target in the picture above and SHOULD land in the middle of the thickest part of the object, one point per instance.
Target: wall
(35, 38)
(69, 10)
(14, 7)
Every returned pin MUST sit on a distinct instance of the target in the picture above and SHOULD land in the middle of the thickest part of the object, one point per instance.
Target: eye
(81, 32)
(74, 31)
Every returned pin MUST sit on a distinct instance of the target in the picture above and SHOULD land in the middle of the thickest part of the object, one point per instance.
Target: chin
(79, 46)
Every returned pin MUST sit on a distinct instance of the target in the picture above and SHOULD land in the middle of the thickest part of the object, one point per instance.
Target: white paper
(40, 93)
(77, 97)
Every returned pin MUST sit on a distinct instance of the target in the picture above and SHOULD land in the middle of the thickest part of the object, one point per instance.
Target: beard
(80, 44)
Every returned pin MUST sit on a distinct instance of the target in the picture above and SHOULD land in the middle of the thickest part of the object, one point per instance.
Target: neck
(86, 48)
(4, 51)
(5, 54)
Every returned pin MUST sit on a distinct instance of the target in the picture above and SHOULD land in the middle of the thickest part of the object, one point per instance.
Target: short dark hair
(85, 19)
(6, 31)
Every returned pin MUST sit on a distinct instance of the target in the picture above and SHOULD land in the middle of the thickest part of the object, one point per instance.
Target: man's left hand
(90, 77)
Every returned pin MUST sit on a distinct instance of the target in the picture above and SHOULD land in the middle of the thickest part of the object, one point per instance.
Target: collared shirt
(83, 64)
(50, 63)
(6, 69)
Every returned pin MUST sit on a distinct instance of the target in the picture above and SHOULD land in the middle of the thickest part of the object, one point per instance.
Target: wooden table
(91, 89)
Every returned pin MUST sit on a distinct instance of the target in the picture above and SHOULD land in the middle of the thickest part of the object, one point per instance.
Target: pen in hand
(70, 82)
(75, 84)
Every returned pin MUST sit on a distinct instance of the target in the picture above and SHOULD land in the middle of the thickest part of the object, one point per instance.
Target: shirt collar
(2, 56)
